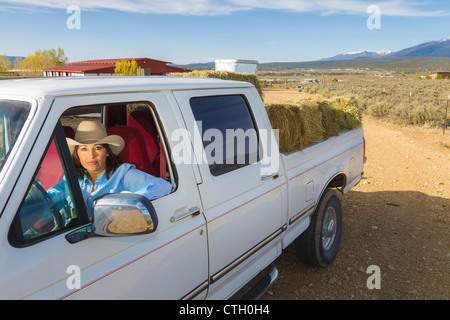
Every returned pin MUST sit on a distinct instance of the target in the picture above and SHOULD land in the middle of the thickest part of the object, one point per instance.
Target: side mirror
(123, 214)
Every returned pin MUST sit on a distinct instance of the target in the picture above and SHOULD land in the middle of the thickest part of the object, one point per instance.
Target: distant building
(105, 67)
(442, 74)
(237, 65)
(310, 80)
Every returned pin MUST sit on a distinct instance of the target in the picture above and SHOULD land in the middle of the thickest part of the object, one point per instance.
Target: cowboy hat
(93, 132)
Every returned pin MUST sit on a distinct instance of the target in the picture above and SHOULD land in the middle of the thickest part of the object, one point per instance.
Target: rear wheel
(319, 244)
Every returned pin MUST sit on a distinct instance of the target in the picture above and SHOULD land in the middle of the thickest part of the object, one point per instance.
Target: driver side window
(48, 207)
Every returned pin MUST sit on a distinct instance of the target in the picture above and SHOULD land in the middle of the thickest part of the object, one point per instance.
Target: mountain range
(13, 59)
(438, 49)
(358, 54)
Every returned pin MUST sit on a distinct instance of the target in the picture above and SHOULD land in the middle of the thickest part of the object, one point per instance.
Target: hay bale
(300, 123)
(329, 119)
(348, 113)
(224, 75)
(289, 121)
(311, 121)
(313, 125)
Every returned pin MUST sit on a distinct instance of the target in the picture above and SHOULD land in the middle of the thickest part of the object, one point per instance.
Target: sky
(196, 31)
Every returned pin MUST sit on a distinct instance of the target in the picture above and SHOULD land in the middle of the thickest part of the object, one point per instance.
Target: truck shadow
(404, 233)
(394, 214)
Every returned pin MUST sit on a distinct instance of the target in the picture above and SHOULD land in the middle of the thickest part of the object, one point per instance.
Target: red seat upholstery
(135, 150)
(143, 121)
(51, 170)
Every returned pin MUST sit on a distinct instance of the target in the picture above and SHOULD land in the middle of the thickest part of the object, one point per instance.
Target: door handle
(195, 211)
(270, 176)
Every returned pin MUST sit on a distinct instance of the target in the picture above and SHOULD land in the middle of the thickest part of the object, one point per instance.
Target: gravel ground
(396, 219)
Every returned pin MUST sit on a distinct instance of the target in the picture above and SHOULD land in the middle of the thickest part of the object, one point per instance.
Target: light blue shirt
(125, 178)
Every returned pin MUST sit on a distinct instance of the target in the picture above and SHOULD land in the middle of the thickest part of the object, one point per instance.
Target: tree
(35, 62)
(126, 68)
(5, 64)
(17, 61)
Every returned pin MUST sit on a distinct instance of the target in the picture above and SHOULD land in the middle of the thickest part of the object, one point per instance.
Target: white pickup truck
(236, 201)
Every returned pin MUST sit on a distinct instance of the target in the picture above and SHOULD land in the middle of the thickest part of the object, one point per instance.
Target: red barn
(103, 67)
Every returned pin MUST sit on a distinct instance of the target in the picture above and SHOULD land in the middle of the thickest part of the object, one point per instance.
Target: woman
(100, 171)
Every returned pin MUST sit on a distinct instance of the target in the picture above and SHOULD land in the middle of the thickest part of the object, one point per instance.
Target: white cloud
(353, 7)
(224, 7)
(179, 7)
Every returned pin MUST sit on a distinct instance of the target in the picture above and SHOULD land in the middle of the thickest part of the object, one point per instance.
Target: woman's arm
(58, 193)
(139, 182)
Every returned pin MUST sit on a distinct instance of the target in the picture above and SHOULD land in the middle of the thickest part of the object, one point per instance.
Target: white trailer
(237, 65)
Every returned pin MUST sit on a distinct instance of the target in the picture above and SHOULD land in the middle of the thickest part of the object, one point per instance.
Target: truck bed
(309, 171)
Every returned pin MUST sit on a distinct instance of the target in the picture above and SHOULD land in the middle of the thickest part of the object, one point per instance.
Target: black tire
(319, 244)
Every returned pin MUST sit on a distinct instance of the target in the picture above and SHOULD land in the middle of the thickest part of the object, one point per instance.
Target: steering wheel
(35, 211)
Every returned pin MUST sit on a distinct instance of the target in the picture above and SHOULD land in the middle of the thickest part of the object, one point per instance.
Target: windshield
(12, 118)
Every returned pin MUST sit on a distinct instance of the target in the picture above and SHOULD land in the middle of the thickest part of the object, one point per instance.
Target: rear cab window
(230, 135)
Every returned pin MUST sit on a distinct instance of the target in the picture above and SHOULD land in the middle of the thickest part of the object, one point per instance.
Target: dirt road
(397, 218)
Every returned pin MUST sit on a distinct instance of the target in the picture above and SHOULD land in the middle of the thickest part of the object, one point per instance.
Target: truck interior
(136, 123)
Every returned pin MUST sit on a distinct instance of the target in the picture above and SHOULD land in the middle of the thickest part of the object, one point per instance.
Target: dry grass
(401, 101)
(278, 95)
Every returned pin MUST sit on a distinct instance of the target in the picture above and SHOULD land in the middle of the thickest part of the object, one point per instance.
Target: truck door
(170, 263)
(241, 191)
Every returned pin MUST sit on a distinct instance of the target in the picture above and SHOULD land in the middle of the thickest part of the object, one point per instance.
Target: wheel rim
(329, 228)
